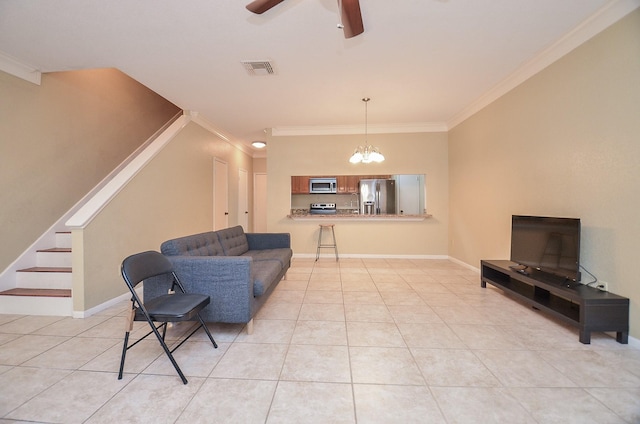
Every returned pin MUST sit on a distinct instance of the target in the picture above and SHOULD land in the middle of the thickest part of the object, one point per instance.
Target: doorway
(260, 202)
(220, 195)
(243, 199)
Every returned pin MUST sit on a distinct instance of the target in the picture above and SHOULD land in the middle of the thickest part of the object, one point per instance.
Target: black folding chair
(175, 306)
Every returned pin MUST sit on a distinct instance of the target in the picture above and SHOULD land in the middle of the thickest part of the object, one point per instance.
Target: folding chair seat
(175, 306)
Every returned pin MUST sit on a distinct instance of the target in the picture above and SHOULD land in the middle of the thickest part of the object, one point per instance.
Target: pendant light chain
(366, 121)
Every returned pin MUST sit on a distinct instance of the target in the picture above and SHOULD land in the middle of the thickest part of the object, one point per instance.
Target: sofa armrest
(228, 280)
(261, 241)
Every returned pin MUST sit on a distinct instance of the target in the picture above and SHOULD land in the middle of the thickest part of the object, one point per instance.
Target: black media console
(585, 307)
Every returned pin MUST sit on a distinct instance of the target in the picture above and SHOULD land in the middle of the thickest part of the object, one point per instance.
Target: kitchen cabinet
(348, 184)
(299, 185)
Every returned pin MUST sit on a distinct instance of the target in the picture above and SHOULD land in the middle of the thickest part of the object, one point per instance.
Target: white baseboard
(106, 305)
(367, 256)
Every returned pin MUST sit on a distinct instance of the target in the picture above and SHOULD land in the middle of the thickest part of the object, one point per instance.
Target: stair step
(44, 278)
(37, 292)
(36, 305)
(54, 257)
(56, 249)
(63, 239)
(44, 289)
(46, 269)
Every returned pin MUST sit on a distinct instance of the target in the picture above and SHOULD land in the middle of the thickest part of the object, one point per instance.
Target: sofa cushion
(283, 256)
(265, 273)
(203, 244)
(233, 241)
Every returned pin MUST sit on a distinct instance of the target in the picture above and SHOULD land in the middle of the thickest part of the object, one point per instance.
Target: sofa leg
(250, 327)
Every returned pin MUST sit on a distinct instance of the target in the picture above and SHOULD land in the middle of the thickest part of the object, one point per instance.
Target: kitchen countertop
(348, 215)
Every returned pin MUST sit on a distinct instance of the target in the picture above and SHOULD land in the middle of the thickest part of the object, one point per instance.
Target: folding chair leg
(168, 352)
(124, 353)
(204, 326)
(129, 327)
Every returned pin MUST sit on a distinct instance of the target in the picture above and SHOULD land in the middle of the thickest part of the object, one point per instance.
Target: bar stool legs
(333, 246)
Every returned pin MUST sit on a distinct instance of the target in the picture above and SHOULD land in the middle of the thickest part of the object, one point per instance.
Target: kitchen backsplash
(342, 201)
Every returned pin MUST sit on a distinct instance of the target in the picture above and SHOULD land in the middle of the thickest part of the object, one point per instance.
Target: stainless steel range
(322, 208)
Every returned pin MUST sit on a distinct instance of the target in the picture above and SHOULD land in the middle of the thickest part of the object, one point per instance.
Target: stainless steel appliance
(322, 208)
(323, 185)
(377, 197)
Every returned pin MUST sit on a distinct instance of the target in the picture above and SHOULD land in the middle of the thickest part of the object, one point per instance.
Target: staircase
(44, 289)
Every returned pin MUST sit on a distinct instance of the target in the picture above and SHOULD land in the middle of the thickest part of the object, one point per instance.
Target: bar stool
(333, 246)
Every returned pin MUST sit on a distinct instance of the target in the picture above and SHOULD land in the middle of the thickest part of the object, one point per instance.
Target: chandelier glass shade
(366, 153)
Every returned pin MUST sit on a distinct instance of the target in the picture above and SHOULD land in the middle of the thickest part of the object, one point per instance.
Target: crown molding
(18, 69)
(598, 22)
(195, 117)
(419, 127)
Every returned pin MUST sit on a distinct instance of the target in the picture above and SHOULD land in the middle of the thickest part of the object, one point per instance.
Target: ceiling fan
(350, 14)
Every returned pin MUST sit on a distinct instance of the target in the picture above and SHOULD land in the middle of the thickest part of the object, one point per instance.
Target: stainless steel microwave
(323, 185)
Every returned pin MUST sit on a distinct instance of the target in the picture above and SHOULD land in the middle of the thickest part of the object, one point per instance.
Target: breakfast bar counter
(346, 215)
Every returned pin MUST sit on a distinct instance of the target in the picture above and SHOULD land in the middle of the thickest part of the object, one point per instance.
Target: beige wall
(564, 143)
(61, 138)
(171, 197)
(424, 153)
(260, 165)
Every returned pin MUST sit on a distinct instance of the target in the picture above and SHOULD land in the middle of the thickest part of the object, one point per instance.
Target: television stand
(585, 307)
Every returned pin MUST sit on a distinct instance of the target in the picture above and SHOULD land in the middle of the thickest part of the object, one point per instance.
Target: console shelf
(585, 307)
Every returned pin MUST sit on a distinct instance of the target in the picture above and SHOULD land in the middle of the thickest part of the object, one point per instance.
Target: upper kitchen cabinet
(299, 185)
(348, 184)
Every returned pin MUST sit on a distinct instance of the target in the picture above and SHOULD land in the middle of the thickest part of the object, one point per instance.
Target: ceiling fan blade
(351, 17)
(261, 6)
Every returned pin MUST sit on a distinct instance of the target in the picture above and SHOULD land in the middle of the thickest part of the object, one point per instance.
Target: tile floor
(362, 340)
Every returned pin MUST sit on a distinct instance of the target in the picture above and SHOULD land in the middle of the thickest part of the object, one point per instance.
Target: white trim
(195, 116)
(109, 303)
(599, 21)
(596, 23)
(367, 256)
(94, 205)
(633, 342)
(417, 127)
(464, 264)
(19, 69)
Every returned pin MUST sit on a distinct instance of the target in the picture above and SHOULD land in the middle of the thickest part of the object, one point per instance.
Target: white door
(220, 195)
(260, 203)
(243, 199)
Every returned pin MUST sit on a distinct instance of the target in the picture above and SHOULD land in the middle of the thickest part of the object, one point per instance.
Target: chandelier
(366, 153)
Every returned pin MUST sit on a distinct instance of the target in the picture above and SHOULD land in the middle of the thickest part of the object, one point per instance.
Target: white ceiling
(423, 63)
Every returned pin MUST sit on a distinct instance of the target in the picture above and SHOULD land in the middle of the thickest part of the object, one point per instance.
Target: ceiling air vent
(258, 67)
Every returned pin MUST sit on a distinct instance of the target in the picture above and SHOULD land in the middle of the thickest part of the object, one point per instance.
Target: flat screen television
(546, 244)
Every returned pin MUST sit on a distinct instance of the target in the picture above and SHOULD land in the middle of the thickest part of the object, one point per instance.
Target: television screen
(547, 244)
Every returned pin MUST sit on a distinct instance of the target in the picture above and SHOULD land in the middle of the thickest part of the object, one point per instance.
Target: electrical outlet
(602, 285)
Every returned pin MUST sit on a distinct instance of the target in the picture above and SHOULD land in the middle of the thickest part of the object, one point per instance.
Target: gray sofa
(238, 270)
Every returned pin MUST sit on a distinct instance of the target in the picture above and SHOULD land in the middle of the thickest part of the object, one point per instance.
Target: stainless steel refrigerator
(377, 197)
